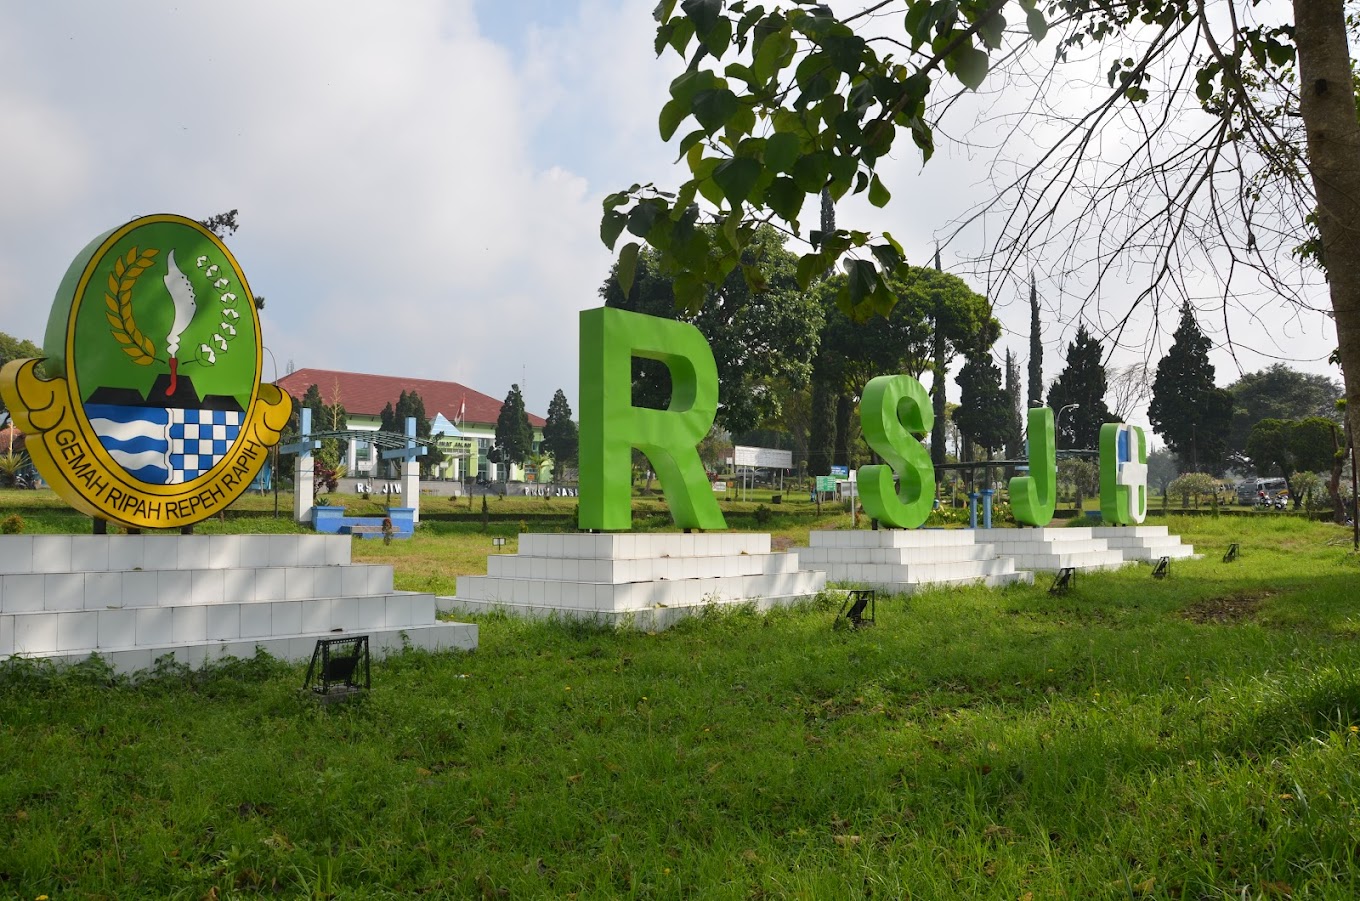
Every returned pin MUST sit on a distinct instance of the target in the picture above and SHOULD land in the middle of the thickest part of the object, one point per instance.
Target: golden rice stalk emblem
(118, 299)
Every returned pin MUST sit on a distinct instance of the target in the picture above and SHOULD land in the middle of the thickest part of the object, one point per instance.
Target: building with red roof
(469, 414)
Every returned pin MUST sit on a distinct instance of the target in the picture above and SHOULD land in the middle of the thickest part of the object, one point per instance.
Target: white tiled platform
(649, 580)
(134, 598)
(902, 561)
(1144, 542)
(1052, 549)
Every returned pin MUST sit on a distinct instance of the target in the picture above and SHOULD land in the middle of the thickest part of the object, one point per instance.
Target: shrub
(13, 524)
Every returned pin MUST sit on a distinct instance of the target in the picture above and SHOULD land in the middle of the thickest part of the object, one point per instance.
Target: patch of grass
(973, 744)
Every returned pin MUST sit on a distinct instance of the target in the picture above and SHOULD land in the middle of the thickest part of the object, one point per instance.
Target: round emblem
(148, 408)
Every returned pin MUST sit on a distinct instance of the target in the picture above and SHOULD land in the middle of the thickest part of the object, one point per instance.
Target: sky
(419, 183)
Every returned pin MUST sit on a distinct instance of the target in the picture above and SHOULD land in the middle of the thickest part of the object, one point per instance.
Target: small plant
(763, 515)
(387, 530)
(13, 524)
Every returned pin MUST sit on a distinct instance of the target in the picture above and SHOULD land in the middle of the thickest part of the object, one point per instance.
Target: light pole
(1057, 420)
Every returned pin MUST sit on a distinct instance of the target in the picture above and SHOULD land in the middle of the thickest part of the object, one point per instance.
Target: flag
(461, 410)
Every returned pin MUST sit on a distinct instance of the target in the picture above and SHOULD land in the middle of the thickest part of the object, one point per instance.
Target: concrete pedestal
(1144, 542)
(134, 598)
(1051, 549)
(648, 581)
(902, 561)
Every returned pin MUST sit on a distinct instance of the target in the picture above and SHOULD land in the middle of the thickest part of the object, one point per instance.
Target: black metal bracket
(335, 664)
(1066, 579)
(857, 599)
(1162, 569)
(1233, 553)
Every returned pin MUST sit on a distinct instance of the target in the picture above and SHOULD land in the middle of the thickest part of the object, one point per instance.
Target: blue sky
(418, 183)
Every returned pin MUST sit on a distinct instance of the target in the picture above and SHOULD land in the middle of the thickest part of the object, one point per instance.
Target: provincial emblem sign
(147, 408)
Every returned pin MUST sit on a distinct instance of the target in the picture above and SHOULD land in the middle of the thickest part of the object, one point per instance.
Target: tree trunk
(1327, 104)
(1334, 483)
(845, 408)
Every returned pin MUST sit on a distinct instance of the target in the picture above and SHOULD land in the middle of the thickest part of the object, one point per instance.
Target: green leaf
(689, 292)
(714, 107)
(993, 30)
(663, 10)
(690, 140)
(611, 226)
(878, 195)
(811, 171)
(704, 13)
(672, 114)
(1038, 25)
(888, 256)
(785, 198)
(680, 35)
(740, 124)
(970, 65)
(628, 258)
(781, 151)
(644, 216)
(810, 265)
(736, 177)
(774, 54)
(717, 38)
(618, 198)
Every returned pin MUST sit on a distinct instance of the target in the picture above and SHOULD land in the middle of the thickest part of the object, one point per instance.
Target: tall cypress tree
(984, 414)
(1036, 349)
(561, 440)
(514, 434)
(937, 388)
(1082, 382)
(1190, 413)
(1013, 446)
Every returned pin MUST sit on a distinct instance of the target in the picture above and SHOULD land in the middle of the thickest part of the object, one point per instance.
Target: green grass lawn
(1197, 737)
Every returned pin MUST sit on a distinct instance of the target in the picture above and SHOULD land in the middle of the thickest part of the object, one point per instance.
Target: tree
(1194, 485)
(1188, 410)
(1082, 477)
(1288, 447)
(1278, 392)
(1162, 469)
(1036, 349)
(1014, 450)
(760, 331)
(16, 349)
(984, 415)
(393, 421)
(938, 318)
(514, 434)
(1082, 382)
(560, 436)
(792, 102)
(1127, 388)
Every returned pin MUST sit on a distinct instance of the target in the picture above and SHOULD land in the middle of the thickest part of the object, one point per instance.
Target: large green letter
(1034, 497)
(611, 426)
(1123, 474)
(895, 406)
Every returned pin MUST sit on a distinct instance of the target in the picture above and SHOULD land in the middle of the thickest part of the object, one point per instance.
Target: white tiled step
(436, 636)
(523, 566)
(1145, 542)
(886, 573)
(616, 597)
(992, 580)
(110, 553)
(647, 618)
(48, 633)
(1106, 559)
(816, 555)
(632, 546)
(58, 592)
(883, 538)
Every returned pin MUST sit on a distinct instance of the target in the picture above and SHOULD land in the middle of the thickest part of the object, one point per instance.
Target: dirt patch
(1228, 609)
(780, 543)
